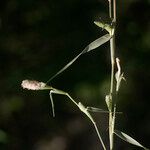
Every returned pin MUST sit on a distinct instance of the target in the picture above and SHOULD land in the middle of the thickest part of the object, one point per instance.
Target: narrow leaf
(105, 26)
(98, 110)
(98, 42)
(128, 139)
(65, 67)
(94, 109)
(108, 27)
(93, 45)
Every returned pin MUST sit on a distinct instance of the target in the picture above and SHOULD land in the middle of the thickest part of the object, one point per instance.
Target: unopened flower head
(33, 85)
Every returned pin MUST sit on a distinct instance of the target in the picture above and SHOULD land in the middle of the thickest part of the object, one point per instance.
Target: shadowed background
(39, 37)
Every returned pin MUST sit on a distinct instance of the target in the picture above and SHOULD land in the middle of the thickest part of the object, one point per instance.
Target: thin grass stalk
(110, 9)
(112, 76)
(99, 136)
(112, 53)
(111, 115)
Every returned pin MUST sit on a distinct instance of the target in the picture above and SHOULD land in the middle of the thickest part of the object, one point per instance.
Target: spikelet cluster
(32, 85)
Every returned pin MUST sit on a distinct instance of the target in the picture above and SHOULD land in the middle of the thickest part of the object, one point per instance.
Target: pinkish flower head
(33, 85)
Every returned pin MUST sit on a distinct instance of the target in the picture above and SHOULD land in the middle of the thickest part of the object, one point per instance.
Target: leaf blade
(98, 42)
(128, 139)
(93, 45)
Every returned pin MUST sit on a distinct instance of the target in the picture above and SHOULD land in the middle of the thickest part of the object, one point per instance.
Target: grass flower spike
(33, 85)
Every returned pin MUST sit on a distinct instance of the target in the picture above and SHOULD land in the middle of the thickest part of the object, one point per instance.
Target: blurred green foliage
(37, 38)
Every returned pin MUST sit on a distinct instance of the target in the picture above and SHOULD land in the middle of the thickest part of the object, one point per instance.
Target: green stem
(112, 53)
(98, 134)
(110, 130)
(114, 11)
(113, 61)
(110, 9)
(112, 110)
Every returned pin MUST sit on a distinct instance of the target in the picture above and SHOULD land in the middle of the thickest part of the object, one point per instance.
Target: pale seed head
(33, 85)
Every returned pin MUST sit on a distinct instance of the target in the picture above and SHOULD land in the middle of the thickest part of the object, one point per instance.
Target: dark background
(37, 38)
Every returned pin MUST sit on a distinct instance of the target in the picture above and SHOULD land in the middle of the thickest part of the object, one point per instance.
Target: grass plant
(115, 82)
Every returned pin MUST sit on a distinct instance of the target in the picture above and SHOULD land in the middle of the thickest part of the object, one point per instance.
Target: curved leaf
(93, 45)
(98, 42)
(128, 139)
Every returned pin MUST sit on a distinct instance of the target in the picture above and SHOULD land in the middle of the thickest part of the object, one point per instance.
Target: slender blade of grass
(128, 139)
(98, 110)
(93, 45)
(98, 42)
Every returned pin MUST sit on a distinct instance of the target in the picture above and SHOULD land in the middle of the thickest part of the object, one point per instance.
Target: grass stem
(112, 111)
